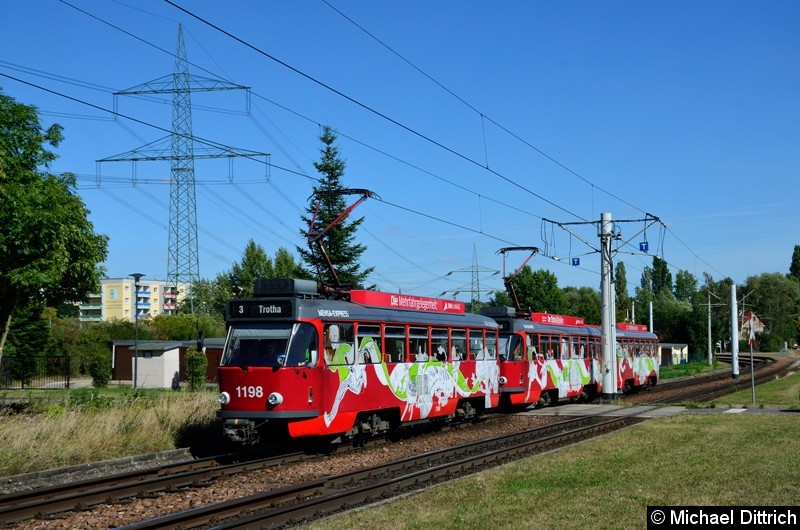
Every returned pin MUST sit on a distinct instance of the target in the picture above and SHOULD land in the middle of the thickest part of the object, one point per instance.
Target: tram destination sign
(404, 301)
(627, 326)
(259, 309)
(557, 320)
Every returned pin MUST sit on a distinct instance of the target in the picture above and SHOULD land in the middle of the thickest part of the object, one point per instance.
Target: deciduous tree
(50, 252)
(621, 290)
(583, 302)
(539, 291)
(685, 286)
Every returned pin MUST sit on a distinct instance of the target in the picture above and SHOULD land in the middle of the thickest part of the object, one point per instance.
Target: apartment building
(119, 299)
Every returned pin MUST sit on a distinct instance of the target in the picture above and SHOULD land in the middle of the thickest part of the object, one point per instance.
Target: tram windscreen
(275, 344)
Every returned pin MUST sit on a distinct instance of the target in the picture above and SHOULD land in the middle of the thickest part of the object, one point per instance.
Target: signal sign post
(752, 342)
(734, 334)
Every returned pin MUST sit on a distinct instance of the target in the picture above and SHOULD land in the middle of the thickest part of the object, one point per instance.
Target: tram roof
(341, 310)
(520, 324)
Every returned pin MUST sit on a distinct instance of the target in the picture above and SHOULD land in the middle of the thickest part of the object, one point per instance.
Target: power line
(423, 136)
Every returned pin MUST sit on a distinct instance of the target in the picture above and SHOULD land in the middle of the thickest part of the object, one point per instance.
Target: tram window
(339, 344)
(458, 344)
(476, 345)
(547, 349)
(439, 344)
(369, 344)
(395, 341)
(507, 345)
(583, 349)
(418, 344)
(565, 347)
(302, 346)
(491, 347)
(534, 351)
(553, 347)
(575, 350)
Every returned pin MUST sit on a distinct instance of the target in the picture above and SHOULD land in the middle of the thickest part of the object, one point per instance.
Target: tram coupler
(243, 431)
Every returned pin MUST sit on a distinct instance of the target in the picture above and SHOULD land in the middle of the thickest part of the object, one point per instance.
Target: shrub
(100, 368)
(196, 364)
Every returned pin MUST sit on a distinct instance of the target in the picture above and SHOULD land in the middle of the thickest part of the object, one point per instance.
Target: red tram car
(545, 357)
(305, 365)
(638, 357)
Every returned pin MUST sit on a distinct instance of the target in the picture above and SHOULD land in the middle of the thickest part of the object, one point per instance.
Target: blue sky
(477, 124)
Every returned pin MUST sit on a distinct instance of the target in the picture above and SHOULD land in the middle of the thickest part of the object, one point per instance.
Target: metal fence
(43, 372)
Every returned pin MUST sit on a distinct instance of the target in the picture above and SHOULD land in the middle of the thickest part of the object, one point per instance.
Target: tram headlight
(503, 380)
(224, 398)
(274, 399)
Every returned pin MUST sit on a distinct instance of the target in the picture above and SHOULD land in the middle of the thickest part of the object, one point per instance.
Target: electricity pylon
(475, 288)
(182, 246)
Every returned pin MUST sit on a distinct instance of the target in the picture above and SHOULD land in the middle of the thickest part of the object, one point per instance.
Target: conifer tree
(794, 267)
(339, 242)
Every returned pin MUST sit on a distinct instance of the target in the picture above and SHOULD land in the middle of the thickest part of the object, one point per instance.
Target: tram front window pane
(507, 343)
(257, 345)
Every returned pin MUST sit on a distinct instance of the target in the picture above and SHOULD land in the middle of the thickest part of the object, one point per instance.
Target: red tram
(545, 357)
(298, 364)
(305, 365)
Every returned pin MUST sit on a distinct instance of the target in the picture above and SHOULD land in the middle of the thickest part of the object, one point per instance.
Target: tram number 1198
(249, 392)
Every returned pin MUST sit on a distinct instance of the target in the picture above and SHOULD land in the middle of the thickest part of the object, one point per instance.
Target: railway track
(323, 497)
(41, 502)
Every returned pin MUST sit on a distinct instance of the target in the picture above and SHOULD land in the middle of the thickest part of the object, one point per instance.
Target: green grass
(719, 459)
(783, 392)
(693, 368)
